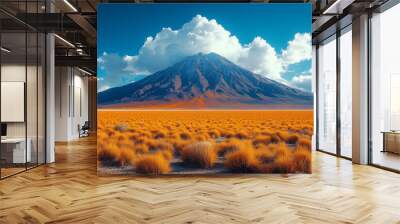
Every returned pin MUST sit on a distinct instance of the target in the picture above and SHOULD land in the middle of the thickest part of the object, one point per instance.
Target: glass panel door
(14, 153)
(22, 77)
(327, 96)
(346, 93)
(385, 89)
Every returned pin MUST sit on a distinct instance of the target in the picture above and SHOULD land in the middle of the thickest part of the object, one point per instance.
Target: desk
(15, 148)
(391, 141)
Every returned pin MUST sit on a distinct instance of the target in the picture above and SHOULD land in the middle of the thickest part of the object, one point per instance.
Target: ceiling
(75, 21)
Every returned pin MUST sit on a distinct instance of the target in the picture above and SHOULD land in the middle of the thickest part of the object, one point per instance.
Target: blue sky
(123, 29)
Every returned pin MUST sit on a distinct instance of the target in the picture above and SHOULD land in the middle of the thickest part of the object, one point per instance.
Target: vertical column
(360, 89)
(50, 99)
(338, 109)
(50, 92)
(62, 103)
(314, 90)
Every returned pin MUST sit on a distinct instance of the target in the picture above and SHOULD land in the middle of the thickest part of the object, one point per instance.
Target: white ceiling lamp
(337, 7)
(5, 50)
(64, 40)
(70, 5)
(84, 71)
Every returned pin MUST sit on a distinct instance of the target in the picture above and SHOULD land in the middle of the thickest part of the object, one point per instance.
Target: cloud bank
(206, 35)
(117, 71)
(302, 81)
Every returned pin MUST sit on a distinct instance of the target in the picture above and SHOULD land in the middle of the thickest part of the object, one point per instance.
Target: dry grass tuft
(262, 140)
(159, 134)
(292, 139)
(281, 150)
(179, 145)
(241, 161)
(141, 148)
(227, 134)
(121, 127)
(265, 168)
(241, 135)
(141, 140)
(275, 139)
(185, 136)
(168, 155)
(201, 138)
(154, 164)
(230, 146)
(213, 134)
(199, 154)
(283, 165)
(304, 143)
(302, 160)
(282, 135)
(127, 156)
(160, 145)
(283, 162)
(265, 155)
(109, 153)
(289, 138)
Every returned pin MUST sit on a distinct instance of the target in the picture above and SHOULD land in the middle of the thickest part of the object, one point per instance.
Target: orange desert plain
(204, 141)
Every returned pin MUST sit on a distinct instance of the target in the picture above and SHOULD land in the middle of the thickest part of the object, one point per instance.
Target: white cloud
(302, 81)
(207, 35)
(170, 46)
(299, 49)
(261, 58)
(204, 35)
(103, 87)
(301, 78)
(116, 71)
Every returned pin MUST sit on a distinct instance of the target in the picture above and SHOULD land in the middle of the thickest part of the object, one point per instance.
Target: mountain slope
(206, 80)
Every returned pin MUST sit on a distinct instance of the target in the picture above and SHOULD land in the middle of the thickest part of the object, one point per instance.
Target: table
(15, 148)
(391, 141)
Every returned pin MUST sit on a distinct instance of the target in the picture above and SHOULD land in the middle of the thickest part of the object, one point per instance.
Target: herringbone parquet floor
(70, 191)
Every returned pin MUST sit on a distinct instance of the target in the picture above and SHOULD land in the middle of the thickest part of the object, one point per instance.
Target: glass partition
(41, 97)
(22, 77)
(385, 89)
(13, 94)
(31, 97)
(327, 96)
(346, 93)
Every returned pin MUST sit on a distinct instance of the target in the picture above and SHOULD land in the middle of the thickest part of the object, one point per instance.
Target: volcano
(205, 81)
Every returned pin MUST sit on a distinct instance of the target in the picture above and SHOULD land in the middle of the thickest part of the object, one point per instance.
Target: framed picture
(204, 88)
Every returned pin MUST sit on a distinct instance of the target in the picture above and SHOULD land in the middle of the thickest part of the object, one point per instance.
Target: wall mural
(204, 88)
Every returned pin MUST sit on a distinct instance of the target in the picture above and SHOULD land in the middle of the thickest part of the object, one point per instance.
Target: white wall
(80, 110)
(71, 102)
(12, 73)
(61, 103)
(16, 73)
(33, 126)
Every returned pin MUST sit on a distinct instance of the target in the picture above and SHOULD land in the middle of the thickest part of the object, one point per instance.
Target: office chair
(84, 130)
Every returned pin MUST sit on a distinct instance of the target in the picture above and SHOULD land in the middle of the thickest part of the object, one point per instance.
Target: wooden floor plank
(69, 191)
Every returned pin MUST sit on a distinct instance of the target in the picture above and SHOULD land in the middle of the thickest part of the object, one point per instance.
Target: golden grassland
(157, 142)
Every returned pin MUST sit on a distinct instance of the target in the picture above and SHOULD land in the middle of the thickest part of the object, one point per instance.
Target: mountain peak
(201, 54)
(210, 55)
(208, 78)
(205, 59)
